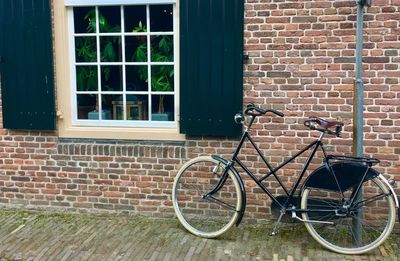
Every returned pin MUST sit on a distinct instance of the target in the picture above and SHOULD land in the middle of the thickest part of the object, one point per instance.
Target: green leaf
(109, 53)
(106, 72)
(92, 81)
(102, 22)
(140, 54)
(139, 28)
(91, 19)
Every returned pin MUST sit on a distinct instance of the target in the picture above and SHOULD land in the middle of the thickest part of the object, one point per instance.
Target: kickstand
(278, 222)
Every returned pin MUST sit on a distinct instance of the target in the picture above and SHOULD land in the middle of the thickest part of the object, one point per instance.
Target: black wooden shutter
(26, 67)
(211, 66)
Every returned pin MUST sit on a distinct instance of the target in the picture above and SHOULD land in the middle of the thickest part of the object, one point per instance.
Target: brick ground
(59, 236)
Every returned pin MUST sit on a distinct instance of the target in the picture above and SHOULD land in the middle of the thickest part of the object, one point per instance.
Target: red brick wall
(302, 62)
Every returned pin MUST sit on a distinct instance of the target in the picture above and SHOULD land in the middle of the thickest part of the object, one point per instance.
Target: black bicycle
(346, 205)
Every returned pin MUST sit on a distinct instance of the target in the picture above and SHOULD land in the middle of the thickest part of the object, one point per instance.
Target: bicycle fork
(221, 181)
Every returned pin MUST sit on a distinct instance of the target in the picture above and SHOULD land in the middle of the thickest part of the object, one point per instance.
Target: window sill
(122, 133)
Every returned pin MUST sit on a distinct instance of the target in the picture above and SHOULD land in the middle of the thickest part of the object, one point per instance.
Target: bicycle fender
(241, 184)
(347, 174)
(396, 200)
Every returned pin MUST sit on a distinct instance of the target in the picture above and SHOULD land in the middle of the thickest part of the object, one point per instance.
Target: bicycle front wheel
(205, 215)
(357, 231)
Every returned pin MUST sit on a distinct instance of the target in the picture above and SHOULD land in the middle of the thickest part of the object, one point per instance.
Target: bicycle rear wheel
(206, 216)
(376, 213)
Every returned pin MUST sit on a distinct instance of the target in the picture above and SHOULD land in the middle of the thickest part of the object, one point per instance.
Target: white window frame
(122, 123)
(115, 2)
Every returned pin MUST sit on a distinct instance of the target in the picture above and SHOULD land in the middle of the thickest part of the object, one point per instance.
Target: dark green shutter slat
(27, 79)
(211, 66)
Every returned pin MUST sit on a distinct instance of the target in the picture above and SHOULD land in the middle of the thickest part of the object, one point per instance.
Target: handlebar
(253, 110)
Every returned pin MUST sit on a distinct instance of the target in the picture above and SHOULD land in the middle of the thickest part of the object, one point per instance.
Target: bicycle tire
(206, 218)
(340, 237)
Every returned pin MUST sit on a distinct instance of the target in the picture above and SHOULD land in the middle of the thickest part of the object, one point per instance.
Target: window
(121, 41)
(123, 65)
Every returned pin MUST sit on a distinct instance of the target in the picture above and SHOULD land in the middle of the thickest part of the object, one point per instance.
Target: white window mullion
(149, 60)
(100, 105)
(136, 63)
(125, 116)
(110, 63)
(162, 93)
(84, 34)
(85, 63)
(87, 92)
(137, 93)
(161, 33)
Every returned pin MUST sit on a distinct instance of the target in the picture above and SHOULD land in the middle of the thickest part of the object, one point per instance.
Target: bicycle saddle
(324, 124)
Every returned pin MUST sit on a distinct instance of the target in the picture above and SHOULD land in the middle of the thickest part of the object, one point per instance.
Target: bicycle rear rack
(364, 160)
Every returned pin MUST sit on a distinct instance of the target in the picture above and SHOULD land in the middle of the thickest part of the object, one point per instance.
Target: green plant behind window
(105, 27)
(161, 75)
(86, 77)
(86, 49)
(140, 28)
(161, 52)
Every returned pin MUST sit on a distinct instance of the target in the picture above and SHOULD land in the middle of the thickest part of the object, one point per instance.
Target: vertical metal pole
(358, 109)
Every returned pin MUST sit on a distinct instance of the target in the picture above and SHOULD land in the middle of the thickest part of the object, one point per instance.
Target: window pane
(110, 19)
(110, 49)
(136, 107)
(112, 106)
(136, 48)
(136, 78)
(85, 49)
(162, 108)
(86, 78)
(111, 78)
(135, 19)
(161, 18)
(162, 78)
(162, 48)
(85, 20)
(87, 107)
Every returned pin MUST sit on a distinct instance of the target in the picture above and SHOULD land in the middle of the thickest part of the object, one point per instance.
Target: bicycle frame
(272, 171)
(315, 145)
(286, 207)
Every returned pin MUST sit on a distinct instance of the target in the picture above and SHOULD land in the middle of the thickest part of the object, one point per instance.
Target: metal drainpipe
(358, 109)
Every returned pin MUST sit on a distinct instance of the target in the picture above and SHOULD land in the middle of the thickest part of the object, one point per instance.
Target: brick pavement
(26, 235)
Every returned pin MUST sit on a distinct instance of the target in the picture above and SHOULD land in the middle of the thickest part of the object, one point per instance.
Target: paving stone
(41, 236)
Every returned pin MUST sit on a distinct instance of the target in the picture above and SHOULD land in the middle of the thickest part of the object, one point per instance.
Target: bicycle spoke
(221, 203)
(370, 200)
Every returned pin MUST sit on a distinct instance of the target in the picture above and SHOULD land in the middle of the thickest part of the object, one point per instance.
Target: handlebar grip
(280, 114)
(251, 107)
(307, 123)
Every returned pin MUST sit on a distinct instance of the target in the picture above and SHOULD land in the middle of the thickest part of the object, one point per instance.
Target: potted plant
(86, 52)
(161, 75)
